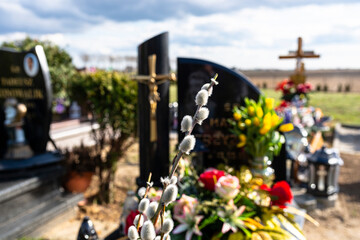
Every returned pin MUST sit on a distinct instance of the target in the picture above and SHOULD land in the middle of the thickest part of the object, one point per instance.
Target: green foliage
(111, 97)
(59, 61)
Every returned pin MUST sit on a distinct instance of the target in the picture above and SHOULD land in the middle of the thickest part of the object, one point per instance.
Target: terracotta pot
(78, 182)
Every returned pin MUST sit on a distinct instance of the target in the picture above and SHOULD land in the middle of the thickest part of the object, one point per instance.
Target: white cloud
(245, 38)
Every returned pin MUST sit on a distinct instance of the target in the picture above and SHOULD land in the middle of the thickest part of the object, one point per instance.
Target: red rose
(280, 193)
(130, 220)
(210, 177)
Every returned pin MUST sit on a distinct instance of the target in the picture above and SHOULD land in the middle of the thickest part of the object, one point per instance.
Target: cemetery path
(347, 139)
(342, 221)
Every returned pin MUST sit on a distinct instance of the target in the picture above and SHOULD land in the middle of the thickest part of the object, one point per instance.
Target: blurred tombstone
(25, 97)
(153, 107)
(214, 142)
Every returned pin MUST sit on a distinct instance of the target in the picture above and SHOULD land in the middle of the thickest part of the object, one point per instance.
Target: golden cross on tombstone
(299, 54)
(153, 80)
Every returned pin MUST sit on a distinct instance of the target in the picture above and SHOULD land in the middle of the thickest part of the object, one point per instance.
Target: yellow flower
(237, 116)
(286, 127)
(269, 102)
(267, 119)
(236, 236)
(242, 142)
(274, 120)
(248, 122)
(259, 112)
(251, 110)
(256, 121)
(265, 129)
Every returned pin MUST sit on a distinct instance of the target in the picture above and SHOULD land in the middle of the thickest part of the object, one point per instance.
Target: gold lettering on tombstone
(207, 139)
(227, 107)
(231, 155)
(28, 82)
(214, 122)
(220, 155)
(37, 94)
(21, 93)
(15, 69)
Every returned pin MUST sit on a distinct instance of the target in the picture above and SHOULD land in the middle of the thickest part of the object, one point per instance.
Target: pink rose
(227, 187)
(185, 206)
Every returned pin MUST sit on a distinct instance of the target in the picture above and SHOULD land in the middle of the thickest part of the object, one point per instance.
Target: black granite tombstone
(214, 142)
(154, 155)
(24, 81)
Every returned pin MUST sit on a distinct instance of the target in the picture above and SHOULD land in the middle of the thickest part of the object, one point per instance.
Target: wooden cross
(153, 80)
(299, 54)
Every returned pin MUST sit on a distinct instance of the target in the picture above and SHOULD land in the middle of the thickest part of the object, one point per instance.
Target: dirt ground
(339, 222)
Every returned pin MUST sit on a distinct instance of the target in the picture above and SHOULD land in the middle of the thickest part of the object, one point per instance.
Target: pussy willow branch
(178, 156)
(145, 195)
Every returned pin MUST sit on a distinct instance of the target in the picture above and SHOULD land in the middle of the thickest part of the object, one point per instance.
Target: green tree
(60, 63)
(111, 97)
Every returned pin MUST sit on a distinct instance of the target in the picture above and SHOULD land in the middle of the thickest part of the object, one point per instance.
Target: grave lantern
(324, 169)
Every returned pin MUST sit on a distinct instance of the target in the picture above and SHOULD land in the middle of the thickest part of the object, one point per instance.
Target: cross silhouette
(299, 54)
(153, 80)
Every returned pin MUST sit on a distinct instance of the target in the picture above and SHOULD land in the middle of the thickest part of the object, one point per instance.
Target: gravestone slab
(154, 155)
(214, 142)
(25, 102)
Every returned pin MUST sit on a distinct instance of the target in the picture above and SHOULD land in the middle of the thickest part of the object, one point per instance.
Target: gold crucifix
(153, 80)
(299, 75)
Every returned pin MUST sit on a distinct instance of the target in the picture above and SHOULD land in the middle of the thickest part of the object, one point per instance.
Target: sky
(245, 34)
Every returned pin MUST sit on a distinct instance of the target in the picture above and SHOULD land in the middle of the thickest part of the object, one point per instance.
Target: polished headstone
(25, 103)
(214, 142)
(154, 156)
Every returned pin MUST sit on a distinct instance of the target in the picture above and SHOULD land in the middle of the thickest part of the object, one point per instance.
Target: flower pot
(78, 182)
(260, 168)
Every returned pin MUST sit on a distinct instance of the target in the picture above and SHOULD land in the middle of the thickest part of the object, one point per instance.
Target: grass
(342, 107)
(173, 93)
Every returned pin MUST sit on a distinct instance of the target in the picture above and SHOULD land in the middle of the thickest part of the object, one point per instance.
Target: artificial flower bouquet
(228, 204)
(294, 92)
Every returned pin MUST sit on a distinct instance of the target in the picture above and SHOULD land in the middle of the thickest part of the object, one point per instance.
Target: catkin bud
(148, 231)
(158, 238)
(206, 87)
(170, 194)
(173, 180)
(187, 144)
(186, 123)
(141, 192)
(202, 97)
(150, 212)
(143, 205)
(133, 233)
(136, 219)
(167, 226)
(202, 114)
(166, 237)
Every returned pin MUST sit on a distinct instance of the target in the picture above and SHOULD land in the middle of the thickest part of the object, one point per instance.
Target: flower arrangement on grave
(152, 221)
(232, 205)
(294, 92)
(257, 125)
(218, 204)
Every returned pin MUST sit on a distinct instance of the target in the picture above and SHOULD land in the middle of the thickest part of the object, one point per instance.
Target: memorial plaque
(25, 102)
(154, 132)
(214, 142)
